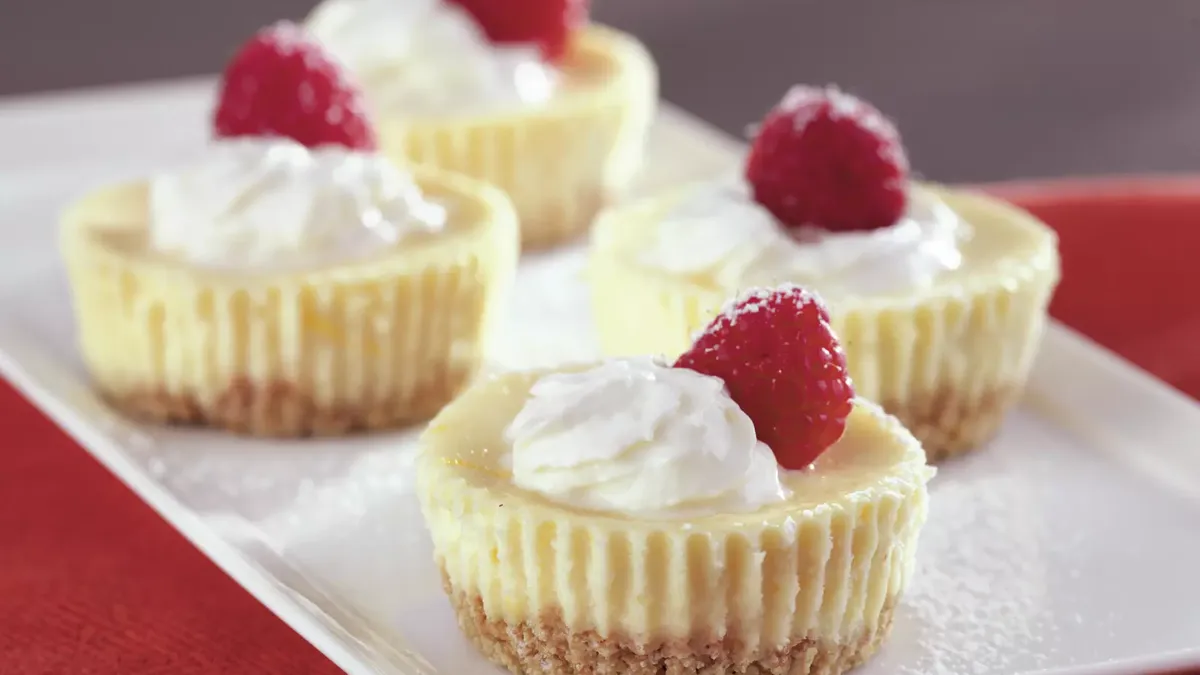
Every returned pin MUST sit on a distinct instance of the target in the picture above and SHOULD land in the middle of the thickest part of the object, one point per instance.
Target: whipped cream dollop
(636, 436)
(272, 201)
(428, 57)
(720, 230)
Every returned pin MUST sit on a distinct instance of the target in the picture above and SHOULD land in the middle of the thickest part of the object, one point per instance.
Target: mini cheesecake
(522, 94)
(945, 348)
(542, 583)
(293, 281)
(372, 343)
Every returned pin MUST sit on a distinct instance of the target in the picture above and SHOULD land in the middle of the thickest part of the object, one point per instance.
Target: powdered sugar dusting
(289, 37)
(755, 300)
(805, 102)
(841, 106)
(318, 58)
(980, 578)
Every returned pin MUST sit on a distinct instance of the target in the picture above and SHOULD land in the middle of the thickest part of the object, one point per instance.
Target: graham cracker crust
(547, 647)
(282, 409)
(949, 424)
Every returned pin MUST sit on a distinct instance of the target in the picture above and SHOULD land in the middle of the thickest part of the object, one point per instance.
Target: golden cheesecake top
(467, 446)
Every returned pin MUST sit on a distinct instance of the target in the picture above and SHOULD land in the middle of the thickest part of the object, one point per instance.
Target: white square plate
(1067, 546)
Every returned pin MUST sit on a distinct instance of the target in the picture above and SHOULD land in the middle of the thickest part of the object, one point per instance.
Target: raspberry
(783, 366)
(282, 83)
(828, 159)
(545, 23)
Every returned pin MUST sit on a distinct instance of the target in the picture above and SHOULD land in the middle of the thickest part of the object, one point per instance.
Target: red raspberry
(783, 366)
(828, 159)
(282, 83)
(546, 23)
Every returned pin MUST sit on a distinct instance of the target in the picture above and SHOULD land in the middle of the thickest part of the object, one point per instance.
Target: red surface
(93, 581)
(1131, 267)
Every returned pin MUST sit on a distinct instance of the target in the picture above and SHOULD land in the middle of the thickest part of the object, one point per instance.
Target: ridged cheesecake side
(802, 587)
(949, 361)
(361, 345)
(561, 162)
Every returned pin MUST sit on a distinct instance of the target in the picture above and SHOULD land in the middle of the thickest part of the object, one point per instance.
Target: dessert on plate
(523, 94)
(939, 294)
(738, 511)
(292, 281)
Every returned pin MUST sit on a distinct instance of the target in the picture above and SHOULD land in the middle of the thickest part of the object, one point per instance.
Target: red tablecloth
(93, 581)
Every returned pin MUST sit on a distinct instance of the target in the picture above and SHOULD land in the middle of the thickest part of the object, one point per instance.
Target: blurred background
(981, 89)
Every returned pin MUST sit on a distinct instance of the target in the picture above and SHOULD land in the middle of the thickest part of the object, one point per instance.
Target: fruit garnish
(283, 83)
(545, 23)
(827, 159)
(783, 366)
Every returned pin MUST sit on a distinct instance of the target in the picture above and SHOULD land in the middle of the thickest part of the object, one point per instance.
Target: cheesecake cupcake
(737, 511)
(939, 294)
(292, 281)
(522, 94)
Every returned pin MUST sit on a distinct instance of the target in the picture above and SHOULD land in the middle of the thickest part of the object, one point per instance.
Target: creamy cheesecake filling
(822, 564)
(429, 57)
(719, 231)
(271, 202)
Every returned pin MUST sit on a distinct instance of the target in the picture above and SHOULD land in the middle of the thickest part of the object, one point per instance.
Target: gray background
(981, 89)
